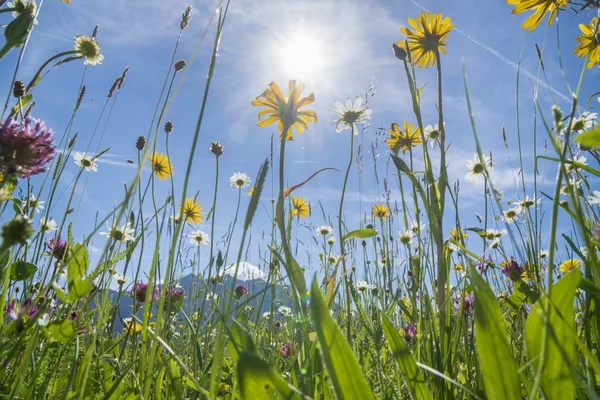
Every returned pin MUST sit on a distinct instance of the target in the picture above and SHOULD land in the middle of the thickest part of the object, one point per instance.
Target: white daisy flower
(415, 226)
(123, 234)
(350, 115)
(452, 247)
(494, 243)
(585, 122)
(432, 134)
(543, 253)
(324, 230)
(120, 279)
(595, 199)
(406, 237)
(333, 258)
(35, 204)
(47, 226)
(528, 202)
(584, 251)
(175, 218)
(267, 315)
(198, 238)
(492, 234)
(86, 161)
(239, 180)
(285, 311)
(331, 240)
(578, 159)
(477, 167)
(361, 286)
(88, 47)
(575, 183)
(511, 214)
(210, 296)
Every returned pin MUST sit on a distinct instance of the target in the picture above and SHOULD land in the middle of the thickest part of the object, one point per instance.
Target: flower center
(239, 182)
(434, 135)
(478, 169)
(86, 163)
(511, 214)
(351, 116)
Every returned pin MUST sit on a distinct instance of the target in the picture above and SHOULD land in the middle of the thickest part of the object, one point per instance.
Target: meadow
(408, 298)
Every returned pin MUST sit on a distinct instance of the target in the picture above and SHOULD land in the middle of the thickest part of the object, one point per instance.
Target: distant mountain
(259, 297)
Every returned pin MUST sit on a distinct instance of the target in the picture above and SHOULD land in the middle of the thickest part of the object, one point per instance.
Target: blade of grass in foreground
(343, 369)
(499, 368)
(559, 355)
(406, 362)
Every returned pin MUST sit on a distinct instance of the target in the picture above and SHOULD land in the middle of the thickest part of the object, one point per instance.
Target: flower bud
(179, 65)
(399, 52)
(140, 143)
(17, 231)
(169, 126)
(216, 148)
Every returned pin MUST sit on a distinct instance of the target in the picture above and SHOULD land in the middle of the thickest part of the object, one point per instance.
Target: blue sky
(355, 40)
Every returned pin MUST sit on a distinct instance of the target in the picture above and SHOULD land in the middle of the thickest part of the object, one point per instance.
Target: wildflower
(494, 244)
(174, 294)
(240, 291)
(477, 167)
(130, 326)
(216, 148)
(58, 247)
(595, 199)
(324, 230)
(239, 180)
(88, 47)
(458, 268)
(85, 161)
(432, 134)
(300, 207)
(512, 269)
(510, 215)
(267, 315)
(539, 7)
(589, 43)
(15, 311)
(428, 38)
(192, 211)
(570, 265)
(331, 241)
(285, 311)
(175, 218)
(456, 234)
(415, 226)
(406, 237)
(123, 234)
(140, 143)
(543, 253)
(16, 231)
(333, 258)
(179, 65)
(381, 211)
(467, 302)
(349, 115)
(498, 194)
(25, 149)
(410, 331)
(199, 238)
(22, 6)
(47, 225)
(528, 202)
(576, 159)
(452, 247)
(285, 111)
(161, 166)
(119, 278)
(35, 204)
(361, 286)
(250, 191)
(139, 292)
(572, 183)
(404, 139)
(287, 349)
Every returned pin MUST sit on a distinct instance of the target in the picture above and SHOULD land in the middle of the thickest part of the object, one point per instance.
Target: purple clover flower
(25, 309)
(512, 269)
(287, 349)
(467, 304)
(240, 290)
(25, 149)
(174, 294)
(410, 331)
(139, 292)
(58, 247)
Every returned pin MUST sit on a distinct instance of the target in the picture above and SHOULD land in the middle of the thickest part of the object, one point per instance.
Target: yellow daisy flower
(131, 326)
(456, 234)
(192, 211)
(428, 37)
(285, 111)
(539, 7)
(381, 211)
(570, 265)
(160, 165)
(251, 191)
(300, 207)
(459, 268)
(589, 43)
(403, 139)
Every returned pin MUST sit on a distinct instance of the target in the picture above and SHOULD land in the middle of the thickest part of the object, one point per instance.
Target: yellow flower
(589, 43)
(428, 37)
(160, 165)
(251, 191)
(456, 234)
(381, 211)
(459, 268)
(132, 326)
(540, 7)
(570, 265)
(403, 139)
(192, 211)
(286, 112)
(300, 207)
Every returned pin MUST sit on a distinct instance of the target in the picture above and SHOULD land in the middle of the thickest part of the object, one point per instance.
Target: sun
(302, 55)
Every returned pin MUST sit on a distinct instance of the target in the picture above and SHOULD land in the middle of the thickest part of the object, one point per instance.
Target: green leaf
(258, 381)
(255, 198)
(525, 292)
(60, 293)
(406, 362)
(77, 263)
(498, 365)
(590, 139)
(8, 186)
(22, 270)
(480, 232)
(343, 369)
(25, 100)
(559, 357)
(62, 331)
(78, 289)
(360, 234)
(590, 287)
(240, 340)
